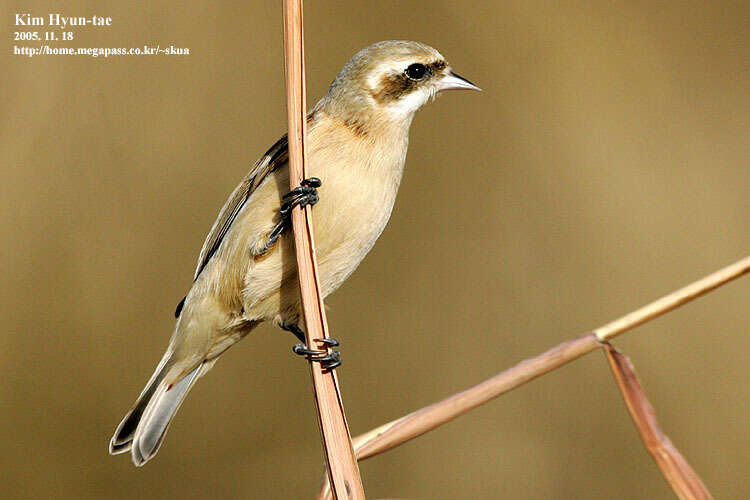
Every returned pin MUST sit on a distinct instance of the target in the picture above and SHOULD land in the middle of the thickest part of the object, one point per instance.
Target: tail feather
(120, 442)
(142, 430)
(158, 415)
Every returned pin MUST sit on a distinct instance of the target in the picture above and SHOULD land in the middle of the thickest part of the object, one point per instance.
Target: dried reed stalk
(343, 470)
(678, 473)
(415, 424)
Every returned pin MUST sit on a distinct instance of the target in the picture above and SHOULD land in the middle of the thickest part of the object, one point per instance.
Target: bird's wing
(273, 159)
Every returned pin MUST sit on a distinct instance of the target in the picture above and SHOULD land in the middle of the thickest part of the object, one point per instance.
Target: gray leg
(305, 194)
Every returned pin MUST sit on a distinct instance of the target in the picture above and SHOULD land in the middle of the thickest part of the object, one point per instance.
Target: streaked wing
(273, 159)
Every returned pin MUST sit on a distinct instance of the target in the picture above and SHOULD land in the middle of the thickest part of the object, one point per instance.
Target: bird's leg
(329, 361)
(295, 329)
(305, 194)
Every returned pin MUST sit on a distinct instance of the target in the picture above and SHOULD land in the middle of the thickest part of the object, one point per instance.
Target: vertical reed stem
(343, 470)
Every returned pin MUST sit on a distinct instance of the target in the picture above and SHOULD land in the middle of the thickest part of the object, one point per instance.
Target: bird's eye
(416, 71)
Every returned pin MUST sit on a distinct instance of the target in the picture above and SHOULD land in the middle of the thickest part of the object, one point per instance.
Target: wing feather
(273, 159)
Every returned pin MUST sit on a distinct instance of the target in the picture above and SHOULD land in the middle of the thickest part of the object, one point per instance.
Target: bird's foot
(305, 194)
(327, 360)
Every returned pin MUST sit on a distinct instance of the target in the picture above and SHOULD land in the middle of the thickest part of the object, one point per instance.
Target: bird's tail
(142, 430)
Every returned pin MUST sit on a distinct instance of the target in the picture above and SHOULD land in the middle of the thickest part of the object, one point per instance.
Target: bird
(357, 140)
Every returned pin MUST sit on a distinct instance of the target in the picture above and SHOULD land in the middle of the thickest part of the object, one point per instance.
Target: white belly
(353, 210)
(356, 199)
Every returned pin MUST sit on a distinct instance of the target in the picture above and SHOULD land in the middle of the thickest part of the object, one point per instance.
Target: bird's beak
(452, 81)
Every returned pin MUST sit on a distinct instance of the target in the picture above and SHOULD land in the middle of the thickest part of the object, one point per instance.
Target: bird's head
(389, 81)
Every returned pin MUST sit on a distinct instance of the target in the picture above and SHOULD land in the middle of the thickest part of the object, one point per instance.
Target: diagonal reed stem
(343, 470)
(399, 431)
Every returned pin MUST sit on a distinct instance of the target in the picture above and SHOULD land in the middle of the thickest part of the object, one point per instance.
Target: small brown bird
(247, 272)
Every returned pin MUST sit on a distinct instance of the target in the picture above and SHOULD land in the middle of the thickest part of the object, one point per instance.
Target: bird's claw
(328, 360)
(305, 194)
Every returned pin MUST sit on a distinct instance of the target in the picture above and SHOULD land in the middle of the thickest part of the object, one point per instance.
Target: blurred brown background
(605, 163)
